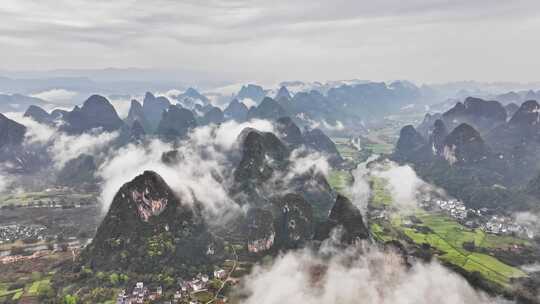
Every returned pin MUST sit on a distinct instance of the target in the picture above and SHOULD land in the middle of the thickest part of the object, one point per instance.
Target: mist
(202, 174)
(62, 147)
(359, 274)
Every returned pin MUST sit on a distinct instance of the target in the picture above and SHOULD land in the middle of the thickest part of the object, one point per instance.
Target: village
(11, 233)
(479, 218)
(187, 291)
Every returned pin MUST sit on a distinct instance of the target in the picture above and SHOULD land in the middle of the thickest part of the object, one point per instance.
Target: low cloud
(361, 274)
(403, 184)
(337, 127)
(61, 146)
(36, 133)
(360, 190)
(57, 96)
(66, 147)
(202, 174)
(529, 220)
(303, 161)
(248, 102)
(405, 187)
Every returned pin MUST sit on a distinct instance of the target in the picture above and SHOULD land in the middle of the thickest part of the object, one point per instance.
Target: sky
(421, 40)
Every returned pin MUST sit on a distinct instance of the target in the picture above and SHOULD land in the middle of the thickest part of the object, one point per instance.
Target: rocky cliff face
(147, 229)
(96, 112)
(437, 137)
(260, 230)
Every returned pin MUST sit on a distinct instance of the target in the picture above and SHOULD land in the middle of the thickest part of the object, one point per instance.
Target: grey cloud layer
(351, 36)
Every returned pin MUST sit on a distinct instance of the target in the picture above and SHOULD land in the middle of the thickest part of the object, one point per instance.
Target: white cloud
(248, 102)
(403, 184)
(261, 40)
(202, 174)
(360, 189)
(66, 147)
(303, 162)
(57, 96)
(405, 187)
(530, 220)
(35, 132)
(61, 146)
(356, 275)
(337, 127)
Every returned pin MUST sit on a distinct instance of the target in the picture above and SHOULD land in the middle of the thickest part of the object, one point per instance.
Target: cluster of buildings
(505, 225)
(496, 224)
(454, 208)
(11, 233)
(142, 294)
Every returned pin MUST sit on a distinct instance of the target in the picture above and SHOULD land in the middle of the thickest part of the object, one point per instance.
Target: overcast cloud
(423, 40)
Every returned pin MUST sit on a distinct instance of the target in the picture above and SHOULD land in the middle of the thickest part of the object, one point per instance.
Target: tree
(114, 279)
(45, 291)
(69, 299)
(100, 275)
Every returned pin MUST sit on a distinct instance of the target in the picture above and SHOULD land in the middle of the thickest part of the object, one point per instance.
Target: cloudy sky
(422, 40)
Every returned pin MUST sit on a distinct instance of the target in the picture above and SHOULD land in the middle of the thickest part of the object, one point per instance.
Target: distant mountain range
(476, 152)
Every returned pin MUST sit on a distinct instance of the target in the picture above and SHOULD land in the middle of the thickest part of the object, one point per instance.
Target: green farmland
(445, 237)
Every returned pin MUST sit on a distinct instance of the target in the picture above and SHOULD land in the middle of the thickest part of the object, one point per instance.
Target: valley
(193, 206)
(430, 229)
